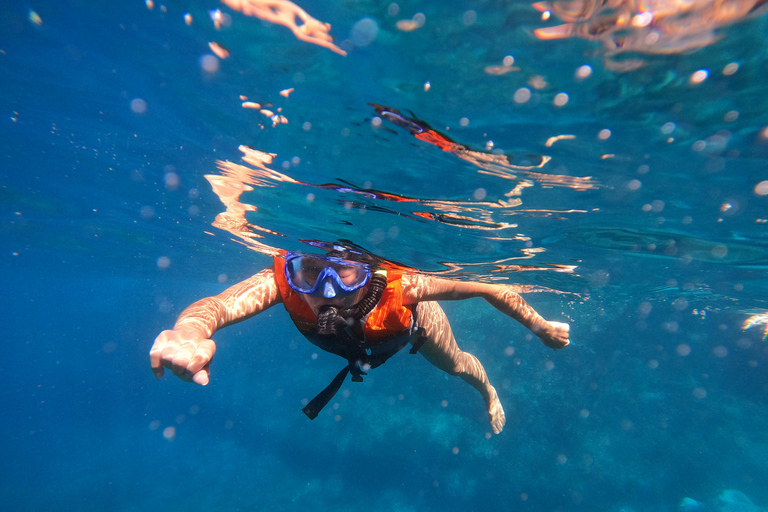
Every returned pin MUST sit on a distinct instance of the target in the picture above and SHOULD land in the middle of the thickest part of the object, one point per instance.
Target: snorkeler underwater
(347, 305)
(440, 256)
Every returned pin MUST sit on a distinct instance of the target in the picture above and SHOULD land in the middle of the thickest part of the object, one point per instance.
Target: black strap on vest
(357, 359)
(313, 408)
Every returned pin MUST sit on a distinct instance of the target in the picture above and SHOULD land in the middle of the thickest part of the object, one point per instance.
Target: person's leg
(441, 350)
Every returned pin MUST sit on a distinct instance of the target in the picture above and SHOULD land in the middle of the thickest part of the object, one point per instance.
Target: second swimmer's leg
(441, 350)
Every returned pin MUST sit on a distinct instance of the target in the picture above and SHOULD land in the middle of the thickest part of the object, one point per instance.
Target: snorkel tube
(331, 320)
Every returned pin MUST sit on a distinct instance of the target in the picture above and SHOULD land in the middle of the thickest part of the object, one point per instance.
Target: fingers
(156, 354)
(202, 356)
(188, 359)
(556, 336)
(201, 377)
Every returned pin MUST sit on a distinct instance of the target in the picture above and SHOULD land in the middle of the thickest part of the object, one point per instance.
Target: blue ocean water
(645, 230)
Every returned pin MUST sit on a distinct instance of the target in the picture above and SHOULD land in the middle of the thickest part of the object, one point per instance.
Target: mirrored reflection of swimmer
(657, 27)
(496, 163)
(354, 305)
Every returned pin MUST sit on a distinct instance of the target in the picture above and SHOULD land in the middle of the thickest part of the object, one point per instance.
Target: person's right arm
(187, 349)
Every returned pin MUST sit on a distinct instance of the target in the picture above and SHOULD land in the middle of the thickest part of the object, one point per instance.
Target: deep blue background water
(617, 420)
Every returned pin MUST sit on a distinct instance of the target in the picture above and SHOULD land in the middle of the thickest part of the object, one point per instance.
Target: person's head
(326, 280)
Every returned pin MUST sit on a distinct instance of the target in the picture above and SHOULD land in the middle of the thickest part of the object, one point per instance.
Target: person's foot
(496, 412)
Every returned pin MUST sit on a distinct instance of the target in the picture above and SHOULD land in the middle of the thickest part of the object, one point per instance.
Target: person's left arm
(418, 288)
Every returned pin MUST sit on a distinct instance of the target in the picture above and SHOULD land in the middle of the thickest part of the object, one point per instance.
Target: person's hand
(555, 335)
(188, 356)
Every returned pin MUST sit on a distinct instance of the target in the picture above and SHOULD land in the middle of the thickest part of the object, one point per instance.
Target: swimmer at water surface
(356, 306)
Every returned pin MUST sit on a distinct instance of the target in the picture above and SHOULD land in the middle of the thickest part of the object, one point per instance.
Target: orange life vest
(388, 318)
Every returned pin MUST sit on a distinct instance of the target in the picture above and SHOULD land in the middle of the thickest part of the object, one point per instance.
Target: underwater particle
(584, 72)
(499, 70)
(154, 424)
(286, 92)
(509, 351)
(719, 251)
(376, 122)
(699, 145)
(522, 95)
(187, 18)
(634, 184)
(406, 25)
(730, 69)
(172, 180)
(150, 4)
(364, 32)
(310, 197)
(549, 365)
(219, 50)
(667, 128)
(731, 116)
(537, 82)
(699, 76)
(295, 161)
(761, 188)
(584, 413)
(680, 303)
(147, 212)
(643, 19)
(455, 450)
(604, 134)
(561, 99)
(306, 126)
(393, 9)
(720, 351)
(35, 18)
(444, 403)
(764, 133)
(468, 18)
(508, 61)
(138, 106)
(524, 496)
(209, 63)
(169, 433)
(653, 364)
(222, 278)
(464, 121)
(163, 262)
(479, 194)
(683, 349)
(699, 393)
(561, 458)
(417, 21)
(219, 18)
(427, 85)
(251, 104)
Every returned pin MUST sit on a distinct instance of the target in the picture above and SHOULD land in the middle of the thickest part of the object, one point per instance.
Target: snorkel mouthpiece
(330, 319)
